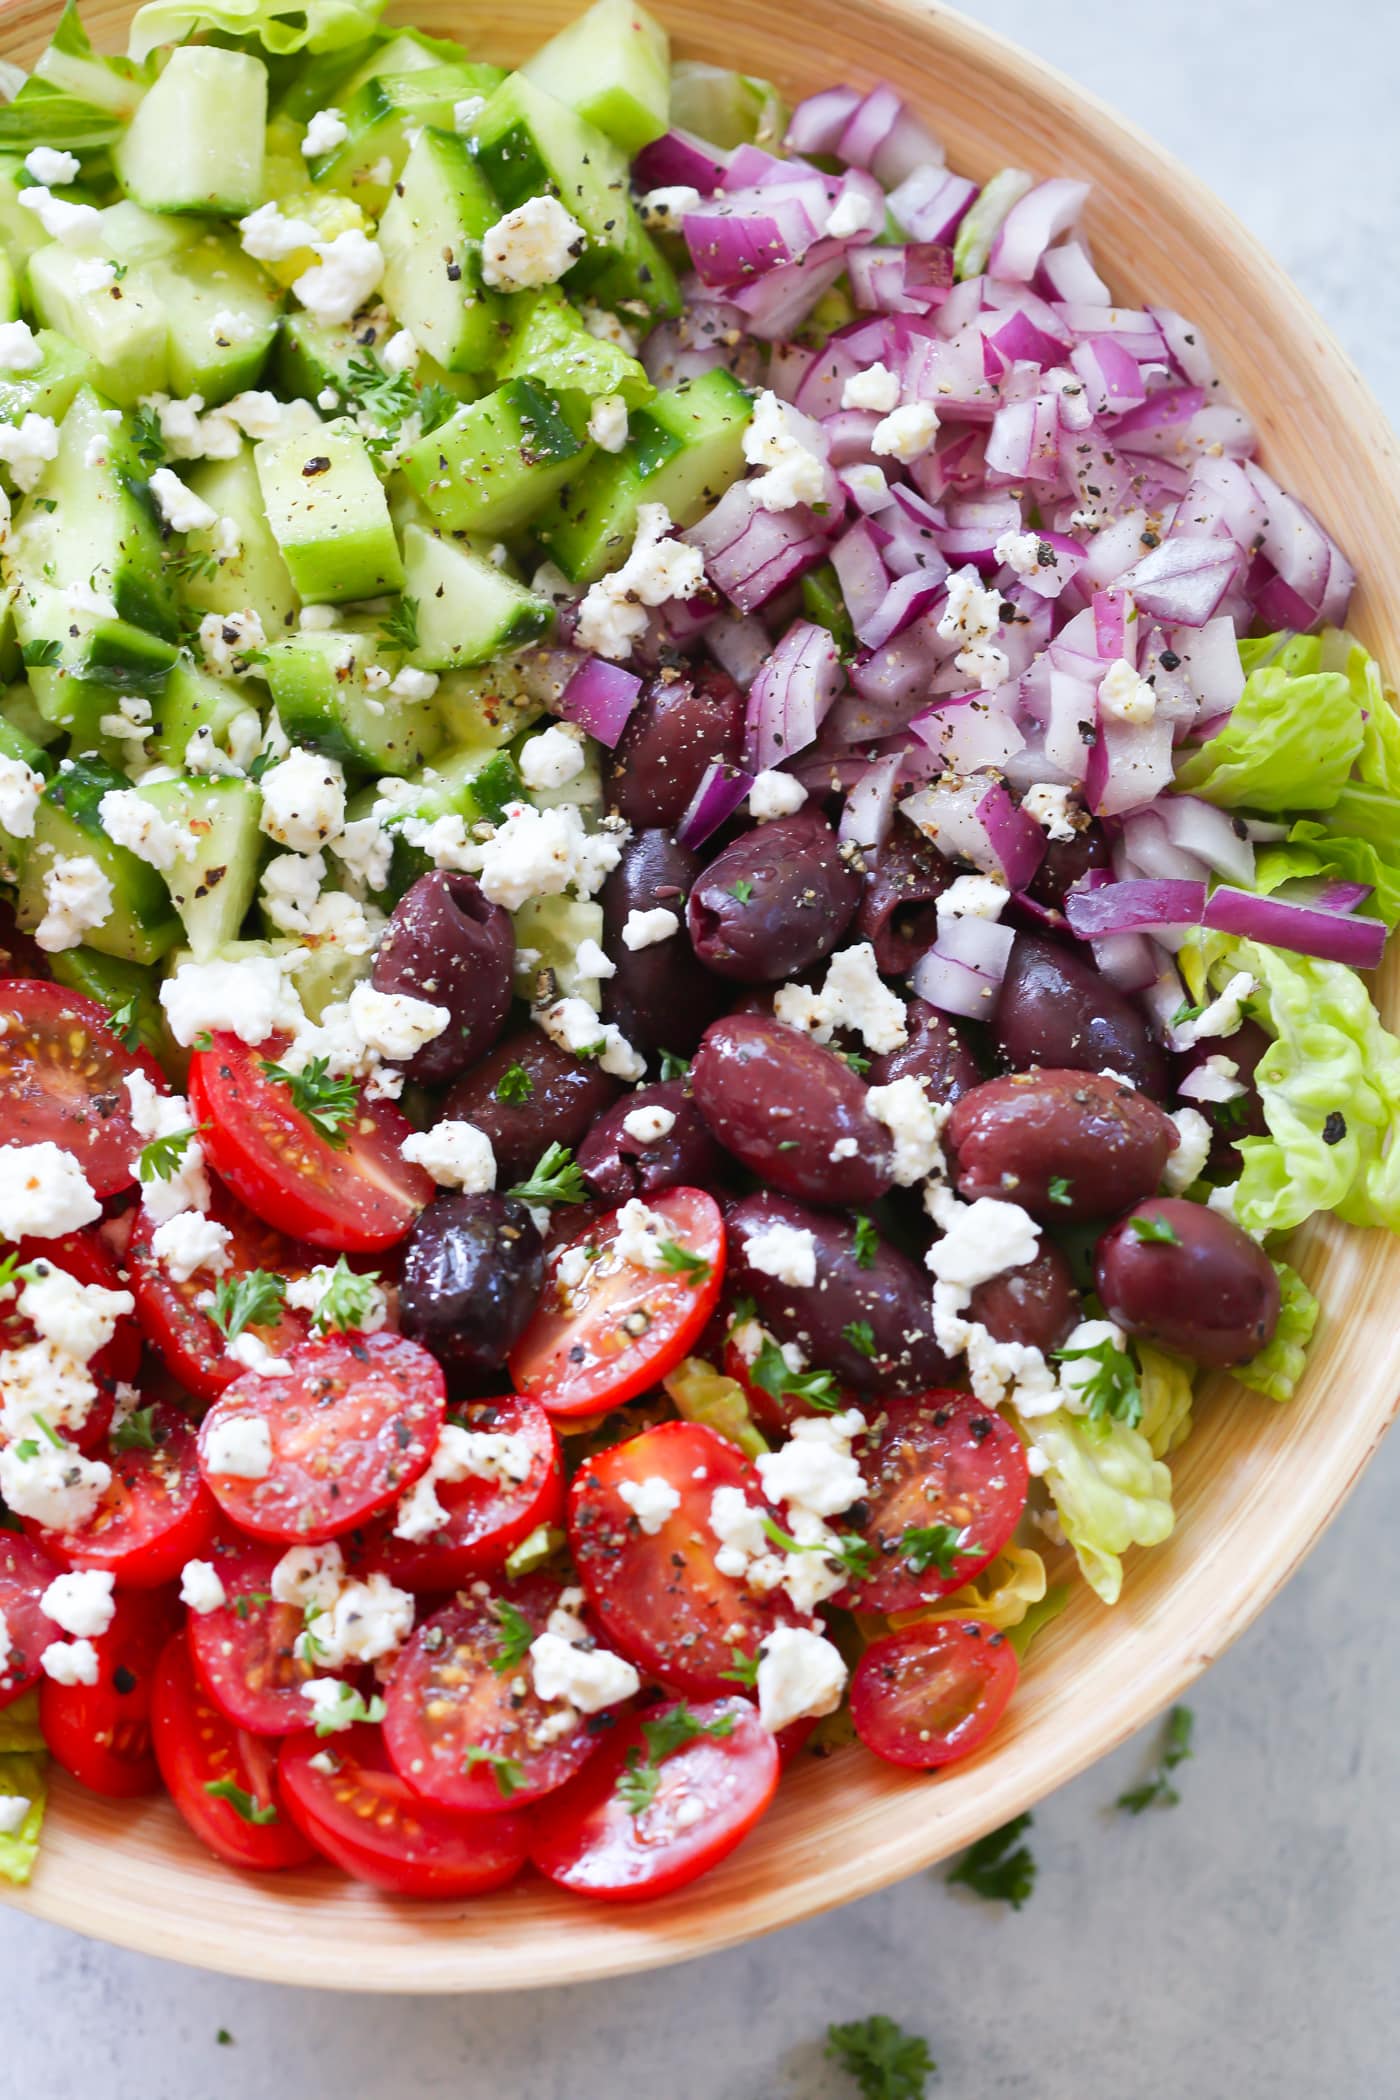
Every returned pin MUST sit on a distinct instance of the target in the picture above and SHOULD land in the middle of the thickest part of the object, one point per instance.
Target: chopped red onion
(869, 811)
(1183, 581)
(678, 160)
(740, 645)
(599, 698)
(930, 203)
(968, 735)
(752, 553)
(1331, 936)
(816, 125)
(953, 988)
(792, 694)
(1134, 907)
(722, 788)
(1209, 833)
(1127, 960)
(1028, 229)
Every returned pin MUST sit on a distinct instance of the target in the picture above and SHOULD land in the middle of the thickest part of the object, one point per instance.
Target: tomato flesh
(455, 1691)
(939, 1460)
(25, 1573)
(659, 1595)
(101, 1732)
(154, 1515)
(350, 1428)
(244, 1653)
(602, 1340)
(195, 1748)
(933, 1692)
(356, 1197)
(586, 1838)
(62, 1079)
(365, 1818)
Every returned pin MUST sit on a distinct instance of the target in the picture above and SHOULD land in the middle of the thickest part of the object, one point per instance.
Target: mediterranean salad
(689, 850)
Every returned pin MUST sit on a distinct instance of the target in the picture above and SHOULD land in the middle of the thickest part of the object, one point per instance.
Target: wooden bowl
(1255, 1484)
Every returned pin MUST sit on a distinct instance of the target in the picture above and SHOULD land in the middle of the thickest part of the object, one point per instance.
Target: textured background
(1240, 1945)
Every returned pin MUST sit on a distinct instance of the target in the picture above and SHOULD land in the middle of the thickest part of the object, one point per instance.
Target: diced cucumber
(686, 448)
(468, 609)
(548, 933)
(473, 782)
(194, 699)
(324, 82)
(257, 575)
(212, 887)
(141, 925)
(328, 976)
(381, 118)
(123, 987)
(222, 319)
(121, 328)
(20, 231)
(406, 51)
(322, 698)
(79, 665)
(549, 343)
(485, 710)
(329, 515)
(494, 463)
(613, 65)
(9, 290)
(48, 389)
(431, 234)
(195, 143)
(20, 714)
(15, 744)
(311, 357)
(128, 234)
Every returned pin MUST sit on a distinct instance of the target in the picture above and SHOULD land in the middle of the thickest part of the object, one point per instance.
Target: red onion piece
(1127, 960)
(679, 160)
(869, 811)
(1134, 907)
(1183, 581)
(722, 788)
(1200, 828)
(930, 203)
(1028, 229)
(952, 987)
(792, 694)
(816, 125)
(599, 698)
(739, 644)
(1331, 936)
(968, 735)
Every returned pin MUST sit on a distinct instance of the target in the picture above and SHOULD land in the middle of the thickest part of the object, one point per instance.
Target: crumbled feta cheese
(367, 850)
(647, 1125)
(229, 328)
(573, 1024)
(305, 1293)
(876, 388)
(53, 168)
(553, 758)
(52, 1484)
(70, 1662)
(916, 1125)
(1187, 1163)
(27, 447)
(855, 212)
(14, 1811)
(589, 960)
(400, 352)
(587, 1678)
(43, 1388)
(461, 1454)
(972, 615)
(534, 244)
(457, 1155)
(308, 1576)
(647, 929)
(93, 273)
(640, 1233)
(71, 224)
(20, 791)
(291, 888)
(815, 1471)
(157, 1115)
(663, 209)
(303, 801)
(773, 795)
(226, 641)
(347, 270)
(1216, 1080)
(240, 1447)
(905, 433)
(368, 1620)
(652, 1501)
(44, 1193)
(269, 237)
(984, 1239)
(251, 998)
(82, 1603)
(327, 130)
(19, 351)
(466, 112)
(612, 614)
(972, 897)
(394, 1024)
(78, 1318)
(1049, 805)
(1223, 1016)
(335, 1705)
(181, 509)
(189, 1242)
(252, 1352)
(130, 820)
(799, 1672)
(537, 853)
(788, 1252)
(201, 1587)
(852, 997)
(409, 683)
(608, 328)
(1124, 696)
(607, 424)
(77, 897)
(791, 450)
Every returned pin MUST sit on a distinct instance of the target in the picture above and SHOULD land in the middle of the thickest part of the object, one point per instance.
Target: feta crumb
(93, 273)
(20, 791)
(574, 1025)
(652, 1501)
(787, 1252)
(905, 433)
(457, 1155)
(536, 853)
(347, 270)
(394, 1024)
(201, 1587)
(78, 1318)
(189, 1242)
(1215, 1080)
(775, 794)
(853, 996)
(130, 820)
(368, 1620)
(239, 1447)
(608, 328)
(269, 237)
(1187, 1163)
(1124, 696)
(589, 960)
(27, 447)
(82, 1603)
(251, 998)
(1049, 805)
(77, 897)
(71, 224)
(984, 1239)
(612, 614)
(52, 167)
(303, 801)
(1224, 1015)
(647, 929)
(553, 758)
(70, 1662)
(791, 450)
(663, 209)
(327, 130)
(409, 683)
(57, 1487)
(308, 1576)
(972, 897)
(181, 509)
(607, 424)
(532, 245)
(799, 1672)
(19, 351)
(44, 1193)
(876, 388)
(916, 1125)
(647, 1125)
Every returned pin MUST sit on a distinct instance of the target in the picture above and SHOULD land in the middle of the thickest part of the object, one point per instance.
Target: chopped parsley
(1112, 1393)
(867, 1242)
(123, 1023)
(254, 1299)
(997, 1868)
(637, 1787)
(673, 1067)
(146, 436)
(327, 1104)
(557, 1179)
(351, 1705)
(681, 1262)
(744, 1670)
(399, 628)
(40, 654)
(164, 1156)
(247, 1805)
(508, 1772)
(925, 1546)
(855, 1554)
(1157, 1791)
(742, 890)
(885, 2062)
(769, 1370)
(861, 1336)
(858, 1064)
(1154, 1232)
(516, 1635)
(134, 1432)
(347, 1300)
(1058, 1190)
(514, 1086)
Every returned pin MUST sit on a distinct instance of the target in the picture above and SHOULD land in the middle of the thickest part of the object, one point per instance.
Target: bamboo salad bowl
(1255, 1484)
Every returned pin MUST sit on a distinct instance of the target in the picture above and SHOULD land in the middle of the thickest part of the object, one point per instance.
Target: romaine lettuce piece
(1275, 1371)
(278, 25)
(1295, 733)
(1109, 1491)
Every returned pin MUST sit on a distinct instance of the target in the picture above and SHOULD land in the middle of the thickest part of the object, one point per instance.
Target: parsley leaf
(162, 1157)
(508, 1772)
(146, 437)
(327, 1104)
(855, 1554)
(858, 1064)
(638, 1785)
(38, 655)
(123, 1023)
(681, 1262)
(347, 1300)
(867, 1242)
(996, 1867)
(673, 1067)
(1185, 1012)
(351, 1705)
(745, 1668)
(1157, 1790)
(925, 1546)
(885, 2062)
(1058, 1190)
(516, 1635)
(248, 1806)
(769, 1370)
(861, 1336)
(399, 629)
(742, 890)
(1112, 1393)
(1154, 1232)
(133, 1432)
(514, 1086)
(252, 1300)
(557, 1179)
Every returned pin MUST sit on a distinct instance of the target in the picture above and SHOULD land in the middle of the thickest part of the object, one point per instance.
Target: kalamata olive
(1054, 1010)
(473, 1269)
(791, 1110)
(882, 1302)
(449, 944)
(774, 902)
(1068, 861)
(1189, 1278)
(617, 1163)
(1064, 1145)
(1035, 1305)
(661, 998)
(898, 913)
(935, 1052)
(1242, 1115)
(529, 1094)
(682, 721)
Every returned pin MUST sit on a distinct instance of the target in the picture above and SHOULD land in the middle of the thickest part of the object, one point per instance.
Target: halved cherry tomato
(621, 1328)
(171, 1313)
(196, 1749)
(351, 1427)
(941, 1460)
(25, 1573)
(101, 1732)
(62, 1073)
(659, 1594)
(709, 1795)
(155, 1513)
(932, 1692)
(243, 1654)
(464, 1685)
(357, 1195)
(363, 1816)
(486, 1519)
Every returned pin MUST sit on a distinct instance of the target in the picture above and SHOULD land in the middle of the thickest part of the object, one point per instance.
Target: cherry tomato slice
(243, 1654)
(196, 1748)
(463, 1684)
(177, 1324)
(622, 1327)
(659, 1595)
(485, 1519)
(364, 1817)
(709, 1795)
(932, 1692)
(947, 1480)
(62, 1073)
(358, 1196)
(155, 1514)
(350, 1428)
(25, 1573)
(101, 1732)
(85, 1256)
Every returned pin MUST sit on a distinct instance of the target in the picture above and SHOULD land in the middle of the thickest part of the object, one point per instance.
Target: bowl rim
(435, 1948)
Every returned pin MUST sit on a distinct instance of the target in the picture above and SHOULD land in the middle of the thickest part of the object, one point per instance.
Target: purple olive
(1068, 861)
(682, 722)
(898, 913)
(529, 1094)
(1055, 1010)
(472, 1273)
(1185, 1277)
(1064, 1145)
(1035, 1305)
(774, 902)
(618, 1164)
(882, 1300)
(934, 1052)
(449, 944)
(661, 997)
(791, 1111)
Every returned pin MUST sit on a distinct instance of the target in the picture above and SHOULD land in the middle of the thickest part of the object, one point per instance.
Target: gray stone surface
(1241, 1945)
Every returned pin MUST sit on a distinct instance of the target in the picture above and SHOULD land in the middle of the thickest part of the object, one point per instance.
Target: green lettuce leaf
(279, 26)
(1275, 1371)
(74, 98)
(1165, 1383)
(1295, 733)
(23, 1773)
(726, 109)
(1108, 1489)
(1314, 849)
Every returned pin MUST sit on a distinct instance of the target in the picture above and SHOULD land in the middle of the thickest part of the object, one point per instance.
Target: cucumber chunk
(431, 235)
(212, 887)
(384, 116)
(127, 988)
(142, 924)
(468, 609)
(549, 343)
(329, 515)
(194, 699)
(79, 665)
(612, 65)
(256, 575)
(324, 701)
(222, 317)
(122, 329)
(493, 464)
(49, 388)
(195, 143)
